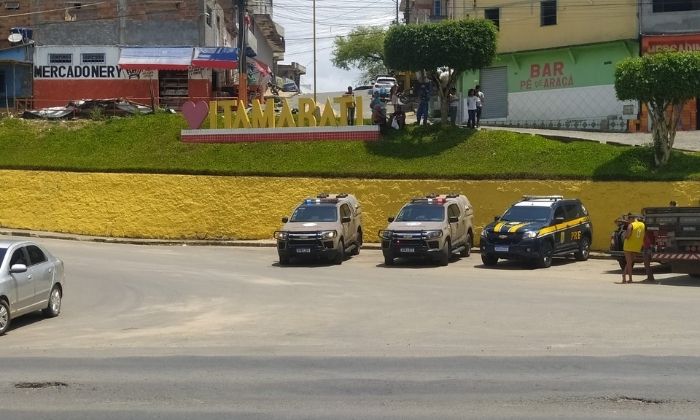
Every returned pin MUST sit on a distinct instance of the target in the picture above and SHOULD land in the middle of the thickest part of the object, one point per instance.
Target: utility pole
(397, 12)
(407, 12)
(314, 36)
(242, 65)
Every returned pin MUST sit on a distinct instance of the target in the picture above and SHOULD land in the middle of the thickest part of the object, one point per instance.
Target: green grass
(151, 144)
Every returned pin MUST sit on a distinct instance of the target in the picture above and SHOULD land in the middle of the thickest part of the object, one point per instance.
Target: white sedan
(31, 279)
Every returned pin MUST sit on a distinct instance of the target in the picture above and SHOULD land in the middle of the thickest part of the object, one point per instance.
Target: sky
(333, 18)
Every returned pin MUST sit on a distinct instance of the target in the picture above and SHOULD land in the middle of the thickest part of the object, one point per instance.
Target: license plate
(501, 249)
(303, 250)
(408, 250)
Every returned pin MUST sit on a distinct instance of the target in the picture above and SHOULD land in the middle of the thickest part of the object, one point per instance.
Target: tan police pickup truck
(434, 227)
(324, 227)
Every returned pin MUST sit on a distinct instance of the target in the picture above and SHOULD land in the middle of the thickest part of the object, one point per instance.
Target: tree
(664, 82)
(448, 48)
(363, 48)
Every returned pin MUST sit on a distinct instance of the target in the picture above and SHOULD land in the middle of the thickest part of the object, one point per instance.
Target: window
(453, 211)
(315, 213)
(548, 13)
(661, 6)
(494, 15)
(559, 213)
(18, 257)
(36, 255)
(92, 58)
(208, 15)
(60, 58)
(573, 211)
(345, 211)
(437, 8)
(12, 5)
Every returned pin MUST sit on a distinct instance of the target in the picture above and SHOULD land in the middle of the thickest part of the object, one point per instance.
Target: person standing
(394, 95)
(453, 100)
(424, 97)
(480, 97)
(351, 106)
(647, 251)
(634, 239)
(471, 108)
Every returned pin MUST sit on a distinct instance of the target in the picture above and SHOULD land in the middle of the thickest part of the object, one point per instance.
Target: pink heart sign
(195, 113)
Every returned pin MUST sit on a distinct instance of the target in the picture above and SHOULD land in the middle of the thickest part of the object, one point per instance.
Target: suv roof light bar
(429, 200)
(543, 197)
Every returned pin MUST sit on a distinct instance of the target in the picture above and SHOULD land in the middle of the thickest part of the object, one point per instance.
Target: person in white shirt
(479, 103)
(471, 108)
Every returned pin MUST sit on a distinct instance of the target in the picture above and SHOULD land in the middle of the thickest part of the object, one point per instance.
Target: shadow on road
(511, 265)
(27, 320)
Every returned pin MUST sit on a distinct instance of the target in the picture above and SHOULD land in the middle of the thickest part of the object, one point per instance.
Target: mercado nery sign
(262, 124)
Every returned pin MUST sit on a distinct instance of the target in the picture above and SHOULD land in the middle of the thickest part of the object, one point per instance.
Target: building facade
(671, 25)
(556, 59)
(81, 47)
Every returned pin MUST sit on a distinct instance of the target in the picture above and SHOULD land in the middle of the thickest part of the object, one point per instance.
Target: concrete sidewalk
(260, 243)
(685, 140)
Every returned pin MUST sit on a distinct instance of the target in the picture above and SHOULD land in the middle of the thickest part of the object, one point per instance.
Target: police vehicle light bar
(438, 200)
(543, 197)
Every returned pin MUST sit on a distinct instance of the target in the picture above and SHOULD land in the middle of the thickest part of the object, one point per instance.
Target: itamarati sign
(228, 123)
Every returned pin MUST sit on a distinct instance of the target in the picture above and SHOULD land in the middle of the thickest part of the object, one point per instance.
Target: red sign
(547, 76)
(656, 43)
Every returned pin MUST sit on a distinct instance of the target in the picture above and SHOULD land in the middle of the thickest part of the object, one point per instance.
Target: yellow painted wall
(578, 22)
(180, 206)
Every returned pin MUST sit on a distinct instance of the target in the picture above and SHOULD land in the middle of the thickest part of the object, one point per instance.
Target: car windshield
(421, 213)
(315, 213)
(526, 214)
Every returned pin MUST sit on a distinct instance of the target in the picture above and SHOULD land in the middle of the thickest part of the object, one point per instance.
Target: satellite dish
(15, 38)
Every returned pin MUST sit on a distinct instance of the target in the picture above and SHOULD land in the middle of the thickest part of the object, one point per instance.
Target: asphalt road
(213, 332)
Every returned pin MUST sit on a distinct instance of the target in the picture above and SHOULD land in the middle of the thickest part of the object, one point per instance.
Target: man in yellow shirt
(634, 238)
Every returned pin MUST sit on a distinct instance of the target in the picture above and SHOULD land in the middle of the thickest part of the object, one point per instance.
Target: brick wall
(61, 22)
(688, 118)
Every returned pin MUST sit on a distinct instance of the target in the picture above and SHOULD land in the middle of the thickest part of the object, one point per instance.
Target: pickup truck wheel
(341, 253)
(4, 316)
(388, 260)
(545, 258)
(445, 254)
(489, 260)
(467, 251)
(284, 260)
(584, 249)
(358, 244)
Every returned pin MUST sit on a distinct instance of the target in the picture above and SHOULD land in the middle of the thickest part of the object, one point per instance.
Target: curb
(264, 243)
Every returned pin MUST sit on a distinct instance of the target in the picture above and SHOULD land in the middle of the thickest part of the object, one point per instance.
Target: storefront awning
(167, 58)
(216, 58)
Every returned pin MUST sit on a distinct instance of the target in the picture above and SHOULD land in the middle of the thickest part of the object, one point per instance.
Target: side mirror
(18, 268)
(496, 218)
(346, 219)
(285, 219)
(453, 219)
(391, 219)
(559, 219)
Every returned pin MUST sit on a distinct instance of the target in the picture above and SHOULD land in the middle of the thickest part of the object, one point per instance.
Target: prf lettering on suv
(537, 228)
(435, 226)
(326, 227)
